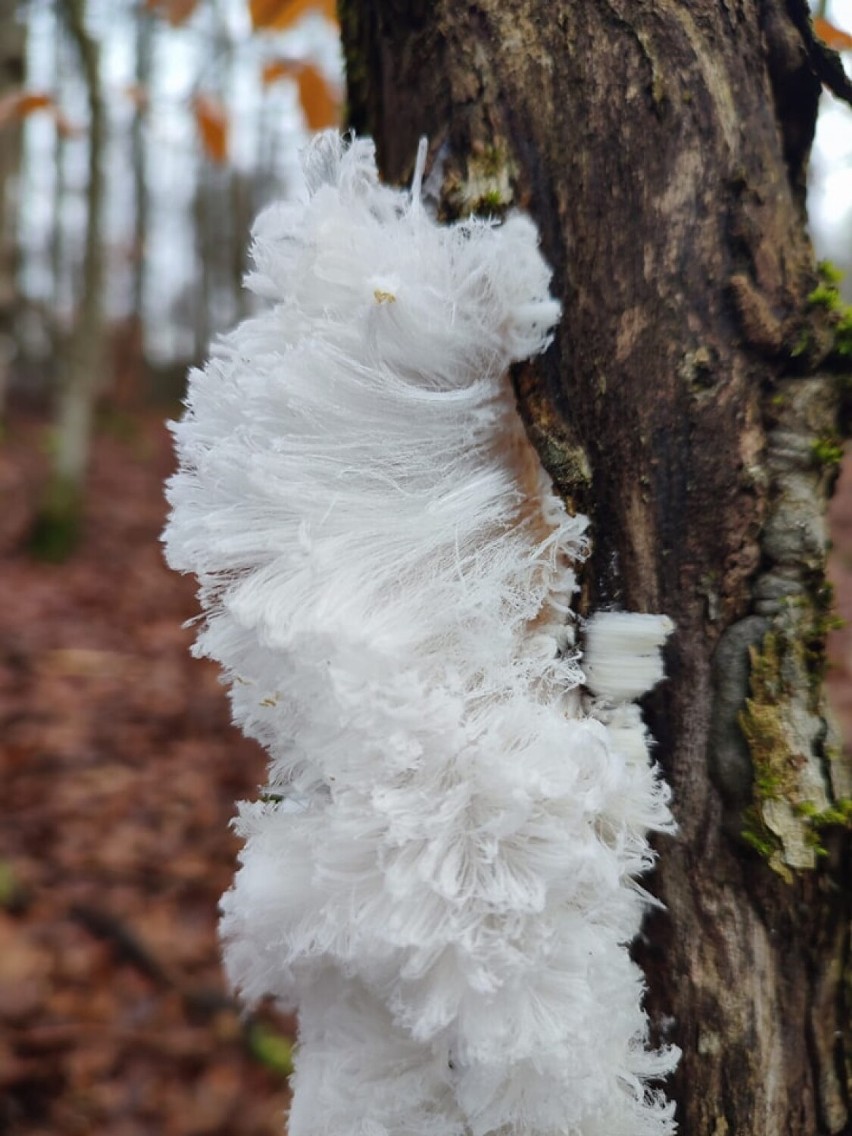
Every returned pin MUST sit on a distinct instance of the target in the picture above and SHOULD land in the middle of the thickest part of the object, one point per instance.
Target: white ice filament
(444, 877)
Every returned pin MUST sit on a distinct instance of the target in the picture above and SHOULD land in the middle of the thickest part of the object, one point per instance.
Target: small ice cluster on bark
(441, 875)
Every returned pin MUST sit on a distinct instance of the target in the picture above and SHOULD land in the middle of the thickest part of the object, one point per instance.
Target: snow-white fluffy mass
(441, 874)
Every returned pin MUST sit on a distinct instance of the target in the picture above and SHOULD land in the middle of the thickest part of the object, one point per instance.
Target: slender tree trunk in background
(686, 407)
(242, 215)
(61, 269)
(202, 294)
(81, 368)
(12, 66)
(141, 202)
(217, 215)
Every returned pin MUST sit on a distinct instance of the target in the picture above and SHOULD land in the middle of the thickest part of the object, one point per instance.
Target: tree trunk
(12, 66)
(82, 366)
(687, 407)
(144, 32)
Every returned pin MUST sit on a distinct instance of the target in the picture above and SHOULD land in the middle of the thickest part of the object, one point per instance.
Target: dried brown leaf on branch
(276, 69)
(280, 14)
(831, 35)
(320, 102)
(176, 12)
(211, 118)
(18, 105)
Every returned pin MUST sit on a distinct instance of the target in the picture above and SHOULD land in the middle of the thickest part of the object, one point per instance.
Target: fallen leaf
(24, 970)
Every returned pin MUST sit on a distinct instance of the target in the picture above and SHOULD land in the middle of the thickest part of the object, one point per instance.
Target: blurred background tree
(138, 140)
(12, 70)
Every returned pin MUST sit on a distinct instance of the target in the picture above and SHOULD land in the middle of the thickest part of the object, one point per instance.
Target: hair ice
(442, 877)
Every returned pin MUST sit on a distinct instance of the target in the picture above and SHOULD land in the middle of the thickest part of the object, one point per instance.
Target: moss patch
(775, 765)
(762, 723)
(784, 726)
(837, 815)
(826, 306)
(485, 186)
(827, 453)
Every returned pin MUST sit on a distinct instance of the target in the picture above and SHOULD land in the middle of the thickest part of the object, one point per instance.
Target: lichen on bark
(787, 737)
(785, 721)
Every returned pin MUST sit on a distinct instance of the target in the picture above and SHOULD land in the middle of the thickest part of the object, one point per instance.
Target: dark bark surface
(661, 149)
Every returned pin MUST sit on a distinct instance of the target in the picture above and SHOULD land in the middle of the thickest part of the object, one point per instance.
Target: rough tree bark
(687, 406)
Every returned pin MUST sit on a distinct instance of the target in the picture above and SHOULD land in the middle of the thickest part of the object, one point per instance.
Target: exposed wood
(662, 149)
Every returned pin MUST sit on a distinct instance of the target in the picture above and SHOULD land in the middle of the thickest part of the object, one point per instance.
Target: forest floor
(119, 774)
